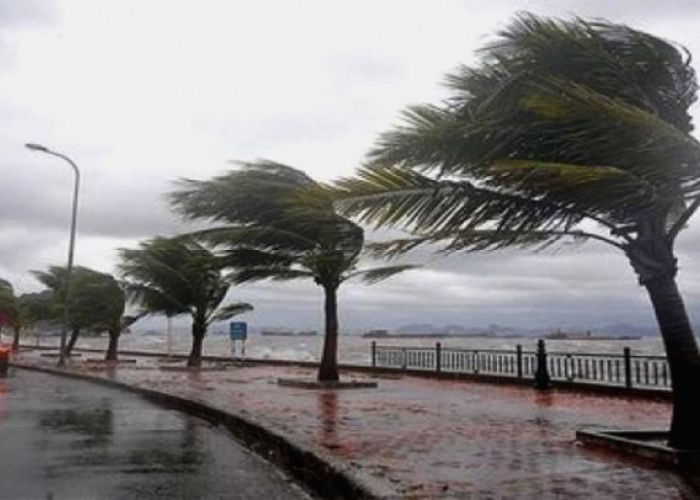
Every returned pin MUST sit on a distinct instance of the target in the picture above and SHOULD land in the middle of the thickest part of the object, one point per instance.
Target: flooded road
(69, 439)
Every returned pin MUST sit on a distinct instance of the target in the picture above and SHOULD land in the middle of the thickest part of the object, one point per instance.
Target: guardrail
(620, 370)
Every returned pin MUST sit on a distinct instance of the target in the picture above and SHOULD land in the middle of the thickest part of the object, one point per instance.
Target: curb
(323, 478)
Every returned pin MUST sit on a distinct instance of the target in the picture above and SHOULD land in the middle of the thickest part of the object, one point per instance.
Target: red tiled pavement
(419, 438)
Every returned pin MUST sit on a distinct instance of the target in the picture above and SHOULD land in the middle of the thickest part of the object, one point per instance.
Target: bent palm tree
(566, 130)
(11, 311)
(280, 224)
(179, 276)
(104, 300)
(97, 302)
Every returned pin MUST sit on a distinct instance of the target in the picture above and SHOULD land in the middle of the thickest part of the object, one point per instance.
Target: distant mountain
(418, 328)
(613, 330)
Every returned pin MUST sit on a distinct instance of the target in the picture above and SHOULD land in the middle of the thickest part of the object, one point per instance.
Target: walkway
(422, 438)
(67, 439)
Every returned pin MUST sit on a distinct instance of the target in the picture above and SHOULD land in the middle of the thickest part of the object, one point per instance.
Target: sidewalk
(427, 438)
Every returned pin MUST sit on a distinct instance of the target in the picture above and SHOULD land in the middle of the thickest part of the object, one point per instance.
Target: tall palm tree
(174, 276)
(567, 129)
(278, 223)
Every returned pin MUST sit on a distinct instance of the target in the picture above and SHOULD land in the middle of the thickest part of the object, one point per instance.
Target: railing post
(519, 359)
(628, 367)
(405, 358)
(542, 378)
(438, 357)
(374, 353)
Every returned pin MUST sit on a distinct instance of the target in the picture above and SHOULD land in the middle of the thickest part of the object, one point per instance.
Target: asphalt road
(69, 439)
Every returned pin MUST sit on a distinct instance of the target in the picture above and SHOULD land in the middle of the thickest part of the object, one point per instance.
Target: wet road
(68, 439)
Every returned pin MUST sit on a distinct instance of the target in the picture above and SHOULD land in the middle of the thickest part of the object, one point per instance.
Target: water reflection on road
(66, 439)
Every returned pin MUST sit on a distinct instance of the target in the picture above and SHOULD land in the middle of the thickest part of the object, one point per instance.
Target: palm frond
(230, 310)
(375, 275)
(562, 121)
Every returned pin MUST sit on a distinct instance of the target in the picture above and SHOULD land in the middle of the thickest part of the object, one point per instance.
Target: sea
(352, 349)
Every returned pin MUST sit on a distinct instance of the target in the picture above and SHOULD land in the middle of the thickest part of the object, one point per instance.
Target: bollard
(4, 360)
(438, 357)
(628, 367)
(542, 378)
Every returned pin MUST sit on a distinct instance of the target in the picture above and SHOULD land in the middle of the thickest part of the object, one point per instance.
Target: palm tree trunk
(683, 358)
(75, 332)
(15, 338)
(328, 370)
(199, 329)
(113, 347)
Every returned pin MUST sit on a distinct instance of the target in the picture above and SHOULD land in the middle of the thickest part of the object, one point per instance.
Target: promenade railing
(624, 370)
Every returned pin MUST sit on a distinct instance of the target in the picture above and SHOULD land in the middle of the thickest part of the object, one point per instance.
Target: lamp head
(36, 147)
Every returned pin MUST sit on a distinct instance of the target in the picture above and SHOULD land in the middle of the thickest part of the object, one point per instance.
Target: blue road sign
(238, 330)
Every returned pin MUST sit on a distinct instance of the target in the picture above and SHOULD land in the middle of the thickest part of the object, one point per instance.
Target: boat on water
(289, 333)
(588, 335)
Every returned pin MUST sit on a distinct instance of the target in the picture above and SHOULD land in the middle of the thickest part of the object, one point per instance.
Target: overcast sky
(140, 93)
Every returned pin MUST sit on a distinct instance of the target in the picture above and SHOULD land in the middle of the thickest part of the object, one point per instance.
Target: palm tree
(174, 276)
(97, 302)
(567, 129)
(104, 300)
(34, 307)
(280, 224)
(11, 311)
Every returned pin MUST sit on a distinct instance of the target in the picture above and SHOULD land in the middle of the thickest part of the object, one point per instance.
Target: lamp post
(71, 246)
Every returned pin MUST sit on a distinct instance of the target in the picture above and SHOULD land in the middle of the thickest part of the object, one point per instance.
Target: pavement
(415, 437)
(70, 439)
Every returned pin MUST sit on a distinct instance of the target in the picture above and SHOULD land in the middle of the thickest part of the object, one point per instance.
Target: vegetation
(96, 302)
(280, 224)
(566, 130)
(179, 276)
(10, 311)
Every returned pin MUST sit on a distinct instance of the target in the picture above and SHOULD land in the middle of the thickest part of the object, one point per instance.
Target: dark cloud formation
(143, 93)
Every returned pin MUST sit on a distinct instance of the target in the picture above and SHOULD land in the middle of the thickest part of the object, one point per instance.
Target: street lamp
(69, 268)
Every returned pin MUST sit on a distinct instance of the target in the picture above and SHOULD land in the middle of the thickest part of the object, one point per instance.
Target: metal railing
(621, 370)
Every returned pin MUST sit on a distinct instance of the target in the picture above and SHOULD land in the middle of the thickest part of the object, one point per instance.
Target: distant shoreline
(371, 335)
(555, 336)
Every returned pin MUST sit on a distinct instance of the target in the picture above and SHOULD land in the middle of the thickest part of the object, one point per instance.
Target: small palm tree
(104, 300)
(36, 306)
(566, 130)
(174, 276)
(11, 311)
(96, 302)
(279, 224)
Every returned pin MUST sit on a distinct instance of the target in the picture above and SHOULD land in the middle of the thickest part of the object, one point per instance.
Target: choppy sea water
(352, 349)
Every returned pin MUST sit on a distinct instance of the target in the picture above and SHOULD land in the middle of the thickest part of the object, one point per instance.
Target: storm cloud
(140, 94)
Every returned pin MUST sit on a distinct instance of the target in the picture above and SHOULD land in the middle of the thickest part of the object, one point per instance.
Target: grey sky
(141, 93)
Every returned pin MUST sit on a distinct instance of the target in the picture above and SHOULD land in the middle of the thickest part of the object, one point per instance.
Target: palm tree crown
(275, 222)
(174, 276)
(563, 122)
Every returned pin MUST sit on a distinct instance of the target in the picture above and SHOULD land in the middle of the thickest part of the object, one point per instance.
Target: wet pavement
(68, 439)
(424, 438)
